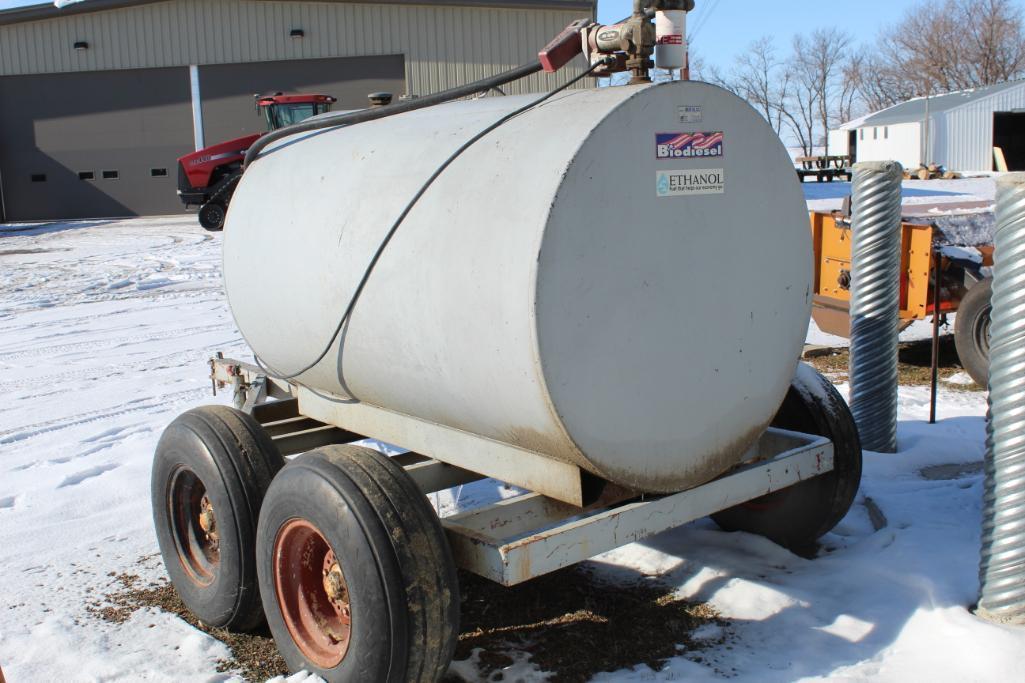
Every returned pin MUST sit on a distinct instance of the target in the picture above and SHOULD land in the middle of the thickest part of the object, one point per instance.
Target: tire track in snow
(62, 323)
(183, 289)
(106, 344)
(175, 359)
(141, 404)
(86, 474)
(101, 442)
(170, 264)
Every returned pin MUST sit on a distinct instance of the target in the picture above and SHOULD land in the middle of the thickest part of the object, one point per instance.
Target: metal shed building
(98, 100)
(963, 128)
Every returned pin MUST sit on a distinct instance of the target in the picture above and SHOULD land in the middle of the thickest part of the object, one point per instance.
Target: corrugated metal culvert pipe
(1002, 569)
(875, 302)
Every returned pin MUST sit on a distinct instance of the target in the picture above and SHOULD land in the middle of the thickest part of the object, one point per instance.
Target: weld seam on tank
(1002, 565)
(875, 302)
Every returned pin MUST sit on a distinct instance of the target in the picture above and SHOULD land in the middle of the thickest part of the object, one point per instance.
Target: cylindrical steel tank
(619, 278)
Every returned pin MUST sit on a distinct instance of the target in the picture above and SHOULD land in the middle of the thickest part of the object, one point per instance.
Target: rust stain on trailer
(703, 471)
(554, 446)
(695, 474)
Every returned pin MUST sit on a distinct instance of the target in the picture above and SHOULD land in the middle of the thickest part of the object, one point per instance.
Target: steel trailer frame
(565, 515)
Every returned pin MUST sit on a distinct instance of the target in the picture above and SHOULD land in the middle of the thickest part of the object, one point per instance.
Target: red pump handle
(564, 47)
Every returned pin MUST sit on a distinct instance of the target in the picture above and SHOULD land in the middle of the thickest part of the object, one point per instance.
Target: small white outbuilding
(958, 130)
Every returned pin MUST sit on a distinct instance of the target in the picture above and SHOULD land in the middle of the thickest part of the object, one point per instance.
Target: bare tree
(817, 64)
(711, 73)
(702, 71)
(788, 93)
(880, 85)
(800, 111)
(945, 47)
(996, 39)
(849, 102)
(763, 80)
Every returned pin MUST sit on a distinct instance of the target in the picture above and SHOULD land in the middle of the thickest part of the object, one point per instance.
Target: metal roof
(914, 110)
(47, 10)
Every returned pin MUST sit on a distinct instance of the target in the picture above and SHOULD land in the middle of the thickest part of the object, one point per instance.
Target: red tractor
(207, 178)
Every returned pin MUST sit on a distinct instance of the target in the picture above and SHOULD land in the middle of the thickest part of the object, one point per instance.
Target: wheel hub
(194, 526)
(207, 520)
(312, 593)
(982, 333)
(334, 582)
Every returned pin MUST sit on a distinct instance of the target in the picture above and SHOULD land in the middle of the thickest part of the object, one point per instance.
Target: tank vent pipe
(875, 302)
(1002, 566)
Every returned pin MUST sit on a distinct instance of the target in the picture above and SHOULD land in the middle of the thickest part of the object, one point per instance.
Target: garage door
(103, 144)
(229, 110)
(93, 144)
(1009, 136)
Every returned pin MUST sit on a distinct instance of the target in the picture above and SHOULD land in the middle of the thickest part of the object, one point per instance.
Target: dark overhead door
(93, 144)
(229, 110)
(1009, 136)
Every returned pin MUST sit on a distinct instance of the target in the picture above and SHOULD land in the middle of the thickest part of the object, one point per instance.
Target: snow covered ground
(104, 331)
(105, 328)
(830, 196)
(916, 331)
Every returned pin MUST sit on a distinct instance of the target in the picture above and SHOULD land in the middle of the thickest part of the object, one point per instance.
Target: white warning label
(690, 114)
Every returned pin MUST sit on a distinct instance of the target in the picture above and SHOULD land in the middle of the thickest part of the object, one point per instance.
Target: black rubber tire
(235, 460)
(393, 553)
(211, 216)
(971, 331)
(797, 516)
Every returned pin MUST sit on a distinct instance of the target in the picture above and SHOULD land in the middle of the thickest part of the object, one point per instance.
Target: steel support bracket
(530, 535)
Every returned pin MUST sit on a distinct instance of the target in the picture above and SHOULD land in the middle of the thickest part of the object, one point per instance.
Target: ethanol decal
(691, 182)
(688, 145)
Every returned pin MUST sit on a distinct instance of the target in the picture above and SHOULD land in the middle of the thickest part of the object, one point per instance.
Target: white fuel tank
(619, 278)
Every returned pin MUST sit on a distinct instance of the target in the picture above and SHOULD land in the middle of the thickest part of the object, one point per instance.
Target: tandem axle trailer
(277, 510)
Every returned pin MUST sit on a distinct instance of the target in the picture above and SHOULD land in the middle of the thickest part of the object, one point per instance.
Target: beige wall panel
(443, 46)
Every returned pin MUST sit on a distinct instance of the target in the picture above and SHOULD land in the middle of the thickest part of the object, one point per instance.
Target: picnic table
(824, 168)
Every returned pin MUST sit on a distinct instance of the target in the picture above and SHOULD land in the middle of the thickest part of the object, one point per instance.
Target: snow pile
(960, 379)
(969, 254)
(887, 604)
(105, 330)
(968, 230)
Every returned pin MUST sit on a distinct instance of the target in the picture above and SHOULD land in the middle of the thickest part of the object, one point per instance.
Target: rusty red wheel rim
(312, 593)
(194, 526)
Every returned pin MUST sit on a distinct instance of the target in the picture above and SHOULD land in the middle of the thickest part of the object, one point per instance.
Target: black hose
(364, 115)
(409, 207)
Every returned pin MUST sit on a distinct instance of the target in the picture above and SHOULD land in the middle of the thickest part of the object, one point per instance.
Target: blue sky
(725, 27)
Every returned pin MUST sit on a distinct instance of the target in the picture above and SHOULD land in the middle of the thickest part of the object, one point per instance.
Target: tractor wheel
(971, 331)
(211, 216)
(211, 470)
(356, 576)
(795, 517)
